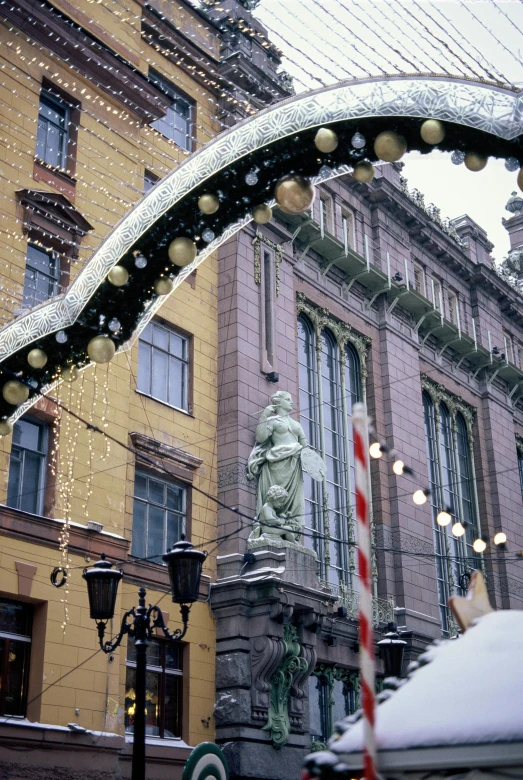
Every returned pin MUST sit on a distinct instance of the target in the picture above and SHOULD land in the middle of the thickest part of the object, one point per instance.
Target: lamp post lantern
(392, 649)
(185, 568)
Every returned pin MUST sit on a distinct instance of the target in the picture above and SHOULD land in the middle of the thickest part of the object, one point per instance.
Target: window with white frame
(159, 515)
(16, 620)
(26, 484)
(42, 271)
(178, 123)
(329, 386)
(453, 304)
(347, 229)
(419, 279)
(452, 485)
(163, 365)
(52, 135)
(164, 689)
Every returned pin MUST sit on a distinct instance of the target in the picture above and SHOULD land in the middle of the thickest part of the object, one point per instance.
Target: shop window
(164, 691)
(27, 465)
(15, 651)
(159, 515)
(163, 365)
(178, 123)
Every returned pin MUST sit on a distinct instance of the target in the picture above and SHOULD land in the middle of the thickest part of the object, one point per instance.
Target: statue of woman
(276, 457)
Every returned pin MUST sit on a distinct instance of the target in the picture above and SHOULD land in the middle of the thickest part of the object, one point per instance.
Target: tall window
(163, 699)
(159, 514)
(163, 365)
(52, 133)
(328, 389)
(419, 280)
(15, 650)
(452, 487)
(178, 123)
(333, 694)
(26, 484)
(347, 229)
(41, 275)
(325, 215)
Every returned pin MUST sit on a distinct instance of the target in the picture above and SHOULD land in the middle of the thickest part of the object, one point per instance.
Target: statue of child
(272, 525)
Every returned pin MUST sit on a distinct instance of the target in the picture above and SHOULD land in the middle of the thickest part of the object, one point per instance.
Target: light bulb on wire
(398, 467)
(420, 496)
(479, 545)
(500, 538)
(375, 450)
(458, 529)
(444, 517)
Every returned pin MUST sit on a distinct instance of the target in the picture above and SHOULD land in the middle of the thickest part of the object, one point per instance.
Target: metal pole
(140, 635)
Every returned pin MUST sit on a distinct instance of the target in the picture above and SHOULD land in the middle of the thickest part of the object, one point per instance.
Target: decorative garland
(145, 270)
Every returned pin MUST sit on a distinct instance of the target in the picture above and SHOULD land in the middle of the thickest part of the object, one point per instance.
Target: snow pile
(470, 692)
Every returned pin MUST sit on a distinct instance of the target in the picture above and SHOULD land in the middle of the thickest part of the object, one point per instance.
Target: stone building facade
(370, 296)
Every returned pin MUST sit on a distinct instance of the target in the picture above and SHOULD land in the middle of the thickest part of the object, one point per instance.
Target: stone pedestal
(270, 611)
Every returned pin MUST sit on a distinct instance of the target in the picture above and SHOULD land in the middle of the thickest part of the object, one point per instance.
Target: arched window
(330, 382)
(451, 477)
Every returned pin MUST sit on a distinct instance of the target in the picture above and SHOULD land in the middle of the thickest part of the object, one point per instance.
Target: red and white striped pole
(367, 664)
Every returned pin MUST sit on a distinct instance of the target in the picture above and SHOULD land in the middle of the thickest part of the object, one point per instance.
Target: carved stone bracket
(322, 318)
(292, 663)
(257, 241)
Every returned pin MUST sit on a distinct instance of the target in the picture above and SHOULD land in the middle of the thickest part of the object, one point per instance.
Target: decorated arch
(137, 265)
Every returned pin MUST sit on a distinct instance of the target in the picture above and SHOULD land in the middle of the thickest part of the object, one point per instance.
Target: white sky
(325, 41)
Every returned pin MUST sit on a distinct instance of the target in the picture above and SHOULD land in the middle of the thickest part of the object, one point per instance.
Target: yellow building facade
(97, 102)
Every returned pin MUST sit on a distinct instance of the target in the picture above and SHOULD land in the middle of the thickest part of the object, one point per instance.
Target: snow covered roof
(467, 691)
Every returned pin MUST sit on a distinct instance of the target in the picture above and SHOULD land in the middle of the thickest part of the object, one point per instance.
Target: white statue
(278, 459)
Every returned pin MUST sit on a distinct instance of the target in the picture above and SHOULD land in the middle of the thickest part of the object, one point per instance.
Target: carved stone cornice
(455, 404)
(321, 318)
(51, 28)
(182, 463)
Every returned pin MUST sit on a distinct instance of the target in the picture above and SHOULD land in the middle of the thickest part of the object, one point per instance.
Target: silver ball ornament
(358, 141)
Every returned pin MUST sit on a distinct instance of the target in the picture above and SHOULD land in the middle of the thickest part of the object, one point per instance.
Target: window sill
(166, 742)
(164, 403)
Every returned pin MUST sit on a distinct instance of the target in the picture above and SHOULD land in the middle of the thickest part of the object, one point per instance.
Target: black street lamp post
(185, 568)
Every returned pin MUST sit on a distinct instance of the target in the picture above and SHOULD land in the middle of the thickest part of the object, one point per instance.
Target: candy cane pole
(367, 667)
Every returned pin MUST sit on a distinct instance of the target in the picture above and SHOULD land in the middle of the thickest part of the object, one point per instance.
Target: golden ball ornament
(70, 374)
(326, 140)
(15, 392)
(163, 286)
(101, 349)
(118, 276)
(520, 179)
(294, 194)
(390, 146)
(6, 427)
(182, 251)
(363, 171)
(37, 358)
(432, 131)
(208, 204)
(262, 214)
(475, 162)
